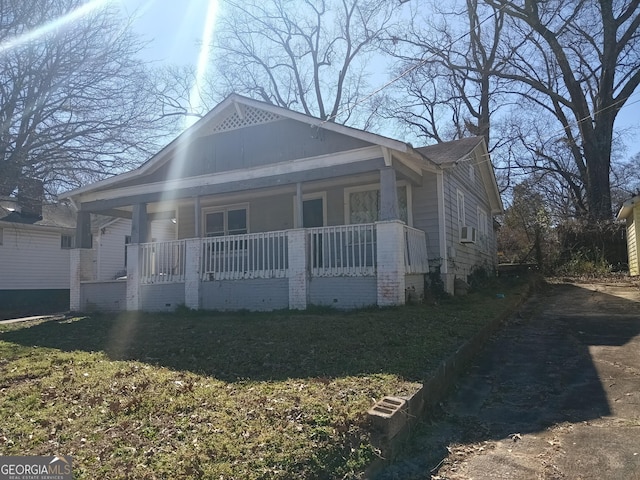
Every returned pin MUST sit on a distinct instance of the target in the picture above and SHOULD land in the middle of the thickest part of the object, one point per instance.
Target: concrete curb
(392, 429)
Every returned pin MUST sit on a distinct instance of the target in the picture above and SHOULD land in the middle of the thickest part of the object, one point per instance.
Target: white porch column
(390, 257)
(192, 267)
(298, 273)
(134, 267)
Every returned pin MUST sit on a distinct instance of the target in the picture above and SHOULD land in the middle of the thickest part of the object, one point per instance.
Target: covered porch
(346, 266)
(217, 264)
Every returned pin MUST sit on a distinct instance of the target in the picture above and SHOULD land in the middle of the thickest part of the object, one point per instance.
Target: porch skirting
(345, 267)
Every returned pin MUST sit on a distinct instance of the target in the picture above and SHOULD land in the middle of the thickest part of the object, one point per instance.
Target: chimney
(31, 196)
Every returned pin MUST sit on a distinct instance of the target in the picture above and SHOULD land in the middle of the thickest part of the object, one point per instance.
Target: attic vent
(252, 116)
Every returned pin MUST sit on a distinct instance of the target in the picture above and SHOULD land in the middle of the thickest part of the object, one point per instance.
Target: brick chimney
(30, 197)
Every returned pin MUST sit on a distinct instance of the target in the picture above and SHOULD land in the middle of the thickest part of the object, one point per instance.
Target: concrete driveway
(555, 395)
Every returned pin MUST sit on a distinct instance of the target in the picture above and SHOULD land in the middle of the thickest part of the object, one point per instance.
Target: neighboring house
(630, 212)
(277, 209)
(35, 241)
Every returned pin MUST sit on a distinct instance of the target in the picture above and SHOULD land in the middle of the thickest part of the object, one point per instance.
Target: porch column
(388, 195)
(298, 273)
(192, 273)
(390, 243)
(134, 268)
(139, 224)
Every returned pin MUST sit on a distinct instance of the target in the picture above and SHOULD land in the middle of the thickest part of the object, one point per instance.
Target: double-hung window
(226, 221)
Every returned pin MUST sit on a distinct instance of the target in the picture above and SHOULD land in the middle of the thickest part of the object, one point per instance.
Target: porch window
(363, 204)
(225, 221)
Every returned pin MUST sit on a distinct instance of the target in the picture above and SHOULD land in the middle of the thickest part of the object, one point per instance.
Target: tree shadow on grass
(267, 346)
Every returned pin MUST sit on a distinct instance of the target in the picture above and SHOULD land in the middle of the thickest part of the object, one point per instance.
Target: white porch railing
(253, 255)
(415, 252)
(345, 250)
(162, 262)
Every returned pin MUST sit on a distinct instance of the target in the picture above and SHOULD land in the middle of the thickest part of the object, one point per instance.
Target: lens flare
(70, 17)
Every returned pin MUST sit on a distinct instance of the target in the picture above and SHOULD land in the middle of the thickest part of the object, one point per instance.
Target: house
(276, 209)
(630, 212)
(35, 241)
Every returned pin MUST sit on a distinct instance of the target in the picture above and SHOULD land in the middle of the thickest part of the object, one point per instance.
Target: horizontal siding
(425, 214)
(33, 259)
(265, 144)
(111, 244)
(464, 257)
(343, 292)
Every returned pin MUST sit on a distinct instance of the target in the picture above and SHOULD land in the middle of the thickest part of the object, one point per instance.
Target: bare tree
(580, 62)
(307, 55)
(71, 102)
(447, 55)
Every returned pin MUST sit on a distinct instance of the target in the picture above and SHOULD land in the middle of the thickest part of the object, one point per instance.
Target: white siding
(111, 244)
(425, 214)
(32, 259)
(464, 257)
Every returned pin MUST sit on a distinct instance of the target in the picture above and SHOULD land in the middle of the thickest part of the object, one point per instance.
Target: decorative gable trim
(240, 117)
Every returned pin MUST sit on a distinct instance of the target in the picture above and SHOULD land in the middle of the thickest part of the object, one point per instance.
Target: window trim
(310, 196)
(376, 186)
(224, 209)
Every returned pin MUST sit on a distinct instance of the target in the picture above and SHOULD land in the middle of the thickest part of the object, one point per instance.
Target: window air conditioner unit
(468, 235)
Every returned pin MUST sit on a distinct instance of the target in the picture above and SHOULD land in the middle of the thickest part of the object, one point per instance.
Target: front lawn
(221, 396)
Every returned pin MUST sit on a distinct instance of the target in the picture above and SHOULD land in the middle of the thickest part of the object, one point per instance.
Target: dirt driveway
(555, 395)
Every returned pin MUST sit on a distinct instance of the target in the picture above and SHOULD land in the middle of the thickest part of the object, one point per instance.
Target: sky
(174, 30)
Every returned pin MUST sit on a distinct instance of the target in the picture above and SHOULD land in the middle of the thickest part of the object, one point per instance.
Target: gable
(258, 145)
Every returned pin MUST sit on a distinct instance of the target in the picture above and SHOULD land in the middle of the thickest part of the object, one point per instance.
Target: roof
(450, 152)
(57, 215)
(627, 207)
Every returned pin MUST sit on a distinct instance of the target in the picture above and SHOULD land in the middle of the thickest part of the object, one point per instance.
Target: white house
(277, 209)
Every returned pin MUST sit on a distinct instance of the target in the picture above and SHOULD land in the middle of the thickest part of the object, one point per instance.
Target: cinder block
(389, 416)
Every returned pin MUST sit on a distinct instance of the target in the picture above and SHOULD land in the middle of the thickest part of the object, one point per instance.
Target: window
(67, 241)
(482, 223)
(461, 215)
(362, 204)
(0, 236)
(472, 173)
(225, 221)
(483, 228)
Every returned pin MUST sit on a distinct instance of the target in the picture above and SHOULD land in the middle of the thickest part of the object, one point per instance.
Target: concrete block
(389, 416)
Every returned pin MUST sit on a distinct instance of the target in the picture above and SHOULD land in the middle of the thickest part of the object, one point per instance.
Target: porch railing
(415, 252)
(253, 255)
(345, 250)
(162, 262)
